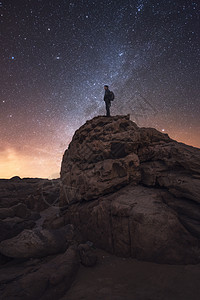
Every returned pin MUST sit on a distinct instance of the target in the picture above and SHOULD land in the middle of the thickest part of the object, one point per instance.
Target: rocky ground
(116, 278)
(131, 192)
(36, 262)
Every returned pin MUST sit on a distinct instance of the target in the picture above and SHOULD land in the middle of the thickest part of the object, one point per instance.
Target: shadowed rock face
(133, 191)
(21, 200)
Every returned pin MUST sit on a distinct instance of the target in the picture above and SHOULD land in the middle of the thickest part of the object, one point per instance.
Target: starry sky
(56, 55)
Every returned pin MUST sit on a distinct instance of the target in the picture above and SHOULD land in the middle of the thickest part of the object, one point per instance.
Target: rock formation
(35, 263)
(35, 243)
(133, 191)
(38, 279)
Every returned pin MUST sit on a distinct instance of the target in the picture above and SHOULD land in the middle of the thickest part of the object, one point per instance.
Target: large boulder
(99, 160)
(35, 243)
(133, 191)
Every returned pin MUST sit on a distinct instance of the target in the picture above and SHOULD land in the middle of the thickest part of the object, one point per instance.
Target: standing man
(108, 97)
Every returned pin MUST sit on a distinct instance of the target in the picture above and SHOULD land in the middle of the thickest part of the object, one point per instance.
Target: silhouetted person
(108, 97)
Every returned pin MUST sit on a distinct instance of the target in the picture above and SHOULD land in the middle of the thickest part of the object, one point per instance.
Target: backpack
(111, 96)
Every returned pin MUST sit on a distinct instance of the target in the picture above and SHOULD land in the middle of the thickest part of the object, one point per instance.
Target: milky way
(57, 55)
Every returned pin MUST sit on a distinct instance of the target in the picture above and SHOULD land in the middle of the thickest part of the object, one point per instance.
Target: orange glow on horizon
(45, 161)
(13, 163)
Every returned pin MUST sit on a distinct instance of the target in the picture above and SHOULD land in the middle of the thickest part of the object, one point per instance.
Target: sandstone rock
(7, 201)
(87, 255)
(35, 243)
(36, 193)
(44, 196)
(54, 222)
(21, 276)
(13, 226)
(19, 210)
(137, 191)
(106, 154)
(15, 219)
(101, 161)
(135, 222)
(49, 280)
(6, 212)
(34, 216)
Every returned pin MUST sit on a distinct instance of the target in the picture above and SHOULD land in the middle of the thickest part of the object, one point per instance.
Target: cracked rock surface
(133, 191)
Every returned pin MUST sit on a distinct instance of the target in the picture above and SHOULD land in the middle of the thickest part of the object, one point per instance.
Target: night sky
(56, 55)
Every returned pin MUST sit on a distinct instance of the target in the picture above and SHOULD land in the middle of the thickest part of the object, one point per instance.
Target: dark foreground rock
(36, 193)
(15, 218)
(19, 210)
(40, 279)
(21, 200)
(133, 191)
(35, 262)
(35, 243)
(87, 255)
(13, 226)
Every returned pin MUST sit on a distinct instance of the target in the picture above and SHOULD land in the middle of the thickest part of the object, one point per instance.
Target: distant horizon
(30, 178)
(56, 173)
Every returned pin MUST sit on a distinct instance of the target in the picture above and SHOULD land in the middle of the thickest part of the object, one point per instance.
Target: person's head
(105, 87)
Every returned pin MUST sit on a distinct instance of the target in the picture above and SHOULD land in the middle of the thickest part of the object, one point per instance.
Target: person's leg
(107, 109)
(109, 105)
